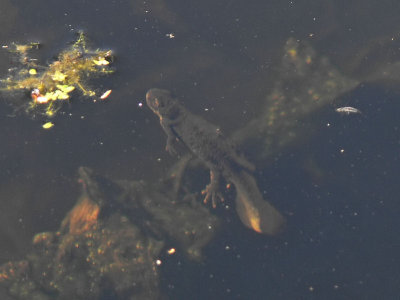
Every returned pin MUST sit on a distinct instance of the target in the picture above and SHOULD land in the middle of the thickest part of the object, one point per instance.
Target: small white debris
(347, 110)
(105, 95)
(171, 251)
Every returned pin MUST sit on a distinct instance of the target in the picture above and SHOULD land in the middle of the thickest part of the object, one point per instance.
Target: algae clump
(45, 88)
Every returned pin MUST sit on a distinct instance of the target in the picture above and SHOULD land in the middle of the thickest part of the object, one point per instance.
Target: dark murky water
(338, 187)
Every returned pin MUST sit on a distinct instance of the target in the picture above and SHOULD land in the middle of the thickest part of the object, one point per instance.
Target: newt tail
(254, 212)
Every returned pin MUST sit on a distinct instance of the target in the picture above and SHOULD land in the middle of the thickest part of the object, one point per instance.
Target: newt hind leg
(212, 190)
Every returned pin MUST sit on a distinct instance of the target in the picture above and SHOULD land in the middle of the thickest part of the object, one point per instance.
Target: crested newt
(206, 141)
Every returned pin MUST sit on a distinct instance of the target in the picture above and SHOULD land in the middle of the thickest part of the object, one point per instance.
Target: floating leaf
(48, 125)
(101, 62)
(65, 88)
(58, 76)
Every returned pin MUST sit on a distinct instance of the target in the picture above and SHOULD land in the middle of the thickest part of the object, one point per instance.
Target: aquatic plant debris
(347, 110)
(48, 125)
(42, 90)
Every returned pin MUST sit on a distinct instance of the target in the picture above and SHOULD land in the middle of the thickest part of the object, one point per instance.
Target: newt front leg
(172, 139)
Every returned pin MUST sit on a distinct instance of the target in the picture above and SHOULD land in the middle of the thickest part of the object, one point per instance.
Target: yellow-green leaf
(58, 76)
(47, 125)
(65, 88)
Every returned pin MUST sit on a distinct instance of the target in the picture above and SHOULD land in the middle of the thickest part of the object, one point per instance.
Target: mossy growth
(48, 87)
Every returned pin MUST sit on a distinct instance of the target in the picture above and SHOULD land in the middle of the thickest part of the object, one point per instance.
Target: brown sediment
(82, 217)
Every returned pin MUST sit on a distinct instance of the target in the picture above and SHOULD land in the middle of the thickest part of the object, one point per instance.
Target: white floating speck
(347, 110)
(105, 95)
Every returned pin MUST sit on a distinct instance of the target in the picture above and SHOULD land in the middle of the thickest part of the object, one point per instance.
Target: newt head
(162, 103)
